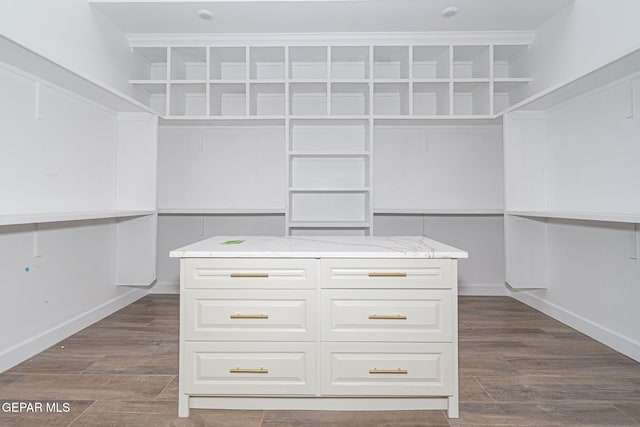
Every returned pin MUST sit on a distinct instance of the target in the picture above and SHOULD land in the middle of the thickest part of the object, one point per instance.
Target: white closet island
(324, 322)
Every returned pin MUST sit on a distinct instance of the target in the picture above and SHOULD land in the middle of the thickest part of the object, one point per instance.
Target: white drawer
(249, 315)
(387, 315)
(396, 369)
(249, 273)
(249, 368)
(387, 273)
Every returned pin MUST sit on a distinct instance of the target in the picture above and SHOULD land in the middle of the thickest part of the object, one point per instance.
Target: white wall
(583, 35)
(70, 33)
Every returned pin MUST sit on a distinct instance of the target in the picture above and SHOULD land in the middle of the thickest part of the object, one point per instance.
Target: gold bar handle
(248, 371)
(249, 316)
(388, 371)
(248, 275)
(384, 274)
(384, 317)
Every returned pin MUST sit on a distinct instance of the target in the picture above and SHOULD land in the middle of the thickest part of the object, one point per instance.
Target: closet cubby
(471, 98)
(349, 62)
(329, 207)
(351, 99)
(391, 62)
(266, 63)
(390, 99)
(329, 172)
(505, 94)
(149, 63)
(228, 99)
(431, 99)
(188, 63)
(152, 94)
(228, 63)
(471, 62)
(329, 136)
(308, 62)
(308, 99)
(508, 61)
(188, 99)
(267, 99)
(431, 62)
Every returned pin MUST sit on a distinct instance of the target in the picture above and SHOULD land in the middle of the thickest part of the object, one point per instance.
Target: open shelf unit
(570, 154)
(405, 80)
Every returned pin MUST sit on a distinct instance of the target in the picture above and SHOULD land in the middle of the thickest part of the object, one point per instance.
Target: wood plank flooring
(518, 367)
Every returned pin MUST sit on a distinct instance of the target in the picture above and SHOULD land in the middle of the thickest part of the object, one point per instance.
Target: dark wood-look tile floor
(518, 367)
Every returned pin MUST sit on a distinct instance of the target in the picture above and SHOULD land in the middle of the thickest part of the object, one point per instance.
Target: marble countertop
(318, 247)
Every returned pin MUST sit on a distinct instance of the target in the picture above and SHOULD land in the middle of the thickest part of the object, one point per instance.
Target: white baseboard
(165, 288)
(34, 345)
(606, 336)
(483, 290)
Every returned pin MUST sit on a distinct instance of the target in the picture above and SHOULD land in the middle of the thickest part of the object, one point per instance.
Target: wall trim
(483, 290)
(40, 342)
(618, 342)
(165, 288)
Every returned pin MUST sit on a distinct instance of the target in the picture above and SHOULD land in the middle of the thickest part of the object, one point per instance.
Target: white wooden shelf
(40, 218)
(400, 211)
(329, 154)
(588, 216)
(329, 224)
(329, 190)
(218, 211)
(222, 121)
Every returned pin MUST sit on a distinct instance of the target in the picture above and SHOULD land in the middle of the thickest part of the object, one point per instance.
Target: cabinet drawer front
(249, 368)
(387, 315)
(373, 369)
(387, 273)
(249, 273)
(249, 315)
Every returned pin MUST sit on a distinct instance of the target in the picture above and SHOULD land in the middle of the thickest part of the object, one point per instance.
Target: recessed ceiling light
(449, 12)
(205, 14)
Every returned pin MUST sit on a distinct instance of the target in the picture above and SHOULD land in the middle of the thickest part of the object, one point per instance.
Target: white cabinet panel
(386, 315)
(376, 369)
(217, 368)
(250, 315)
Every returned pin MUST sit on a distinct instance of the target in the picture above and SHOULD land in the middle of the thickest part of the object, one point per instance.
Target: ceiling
(299, 16)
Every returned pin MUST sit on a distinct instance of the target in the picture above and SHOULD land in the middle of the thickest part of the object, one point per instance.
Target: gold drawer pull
(249, 316)
(388, 371)
(383, 274)
(248, 371)
(383, 317)
(248, 275)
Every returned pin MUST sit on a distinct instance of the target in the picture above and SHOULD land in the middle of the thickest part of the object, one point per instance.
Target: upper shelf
(39, 218)
(20, 57)
(587, 216)
(596, 77)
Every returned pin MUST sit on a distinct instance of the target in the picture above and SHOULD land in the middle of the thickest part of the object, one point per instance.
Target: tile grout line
(82, 413)
(483, 389)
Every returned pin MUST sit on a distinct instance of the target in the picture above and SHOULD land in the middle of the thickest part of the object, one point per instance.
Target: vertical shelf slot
(188, 63)
(337, 137)
(349, 62)
(327, 172)
(228, 63)
(308, 62)
(267, 63)
(188, 99)
(508, 61)
(391, 62)
(149, 63)
(350, 99)
(228, 99)
(391, 99)
(431, 99)
(308, 99)
(329, 207)
(267, 99)
(471, 62)
(431, 62)
(471, 99)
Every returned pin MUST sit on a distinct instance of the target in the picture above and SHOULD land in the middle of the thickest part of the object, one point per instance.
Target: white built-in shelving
(570, 154)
